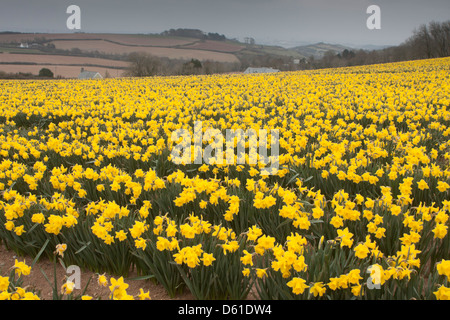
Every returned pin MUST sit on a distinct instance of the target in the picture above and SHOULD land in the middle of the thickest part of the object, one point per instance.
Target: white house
(260, 70)
(89, 75)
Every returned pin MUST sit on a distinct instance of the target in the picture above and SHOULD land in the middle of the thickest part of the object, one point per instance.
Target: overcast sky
(283, 21)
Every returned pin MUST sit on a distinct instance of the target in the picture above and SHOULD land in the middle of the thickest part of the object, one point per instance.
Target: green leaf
(83, 247)
(150, 276)
(292, 179)
(285, 222)
(40, 252)
(33, 227)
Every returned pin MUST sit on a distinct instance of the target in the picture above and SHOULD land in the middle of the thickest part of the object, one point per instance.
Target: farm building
(89, 75)
(260, 70)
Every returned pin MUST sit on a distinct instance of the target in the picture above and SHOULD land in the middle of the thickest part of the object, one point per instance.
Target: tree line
(427, 41)
(193, 33)
(430, 40)
(44, 73)
(142, 64)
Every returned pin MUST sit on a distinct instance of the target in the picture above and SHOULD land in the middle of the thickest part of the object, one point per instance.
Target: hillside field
(117, 45)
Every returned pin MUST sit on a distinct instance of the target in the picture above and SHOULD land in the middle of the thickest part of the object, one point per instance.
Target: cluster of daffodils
(359, 200)
(9, 288)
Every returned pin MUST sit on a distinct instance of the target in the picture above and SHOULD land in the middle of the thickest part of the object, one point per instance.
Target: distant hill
(318, 50)
(26, 50)
(107, 53)
(170, 44)
(66, 53)
(370, 47)
(193, 33)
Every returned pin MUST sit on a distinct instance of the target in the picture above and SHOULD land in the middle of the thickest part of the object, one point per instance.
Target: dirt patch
(127, 39)
(215, 46)
(36, 280)
(64, 66)
(59, 70)
(60, 60)
(172, 53)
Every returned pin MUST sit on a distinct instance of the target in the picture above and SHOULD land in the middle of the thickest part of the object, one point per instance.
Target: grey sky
(280, 21)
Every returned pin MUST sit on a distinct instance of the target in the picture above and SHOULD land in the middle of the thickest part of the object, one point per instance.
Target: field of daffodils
(358, 209)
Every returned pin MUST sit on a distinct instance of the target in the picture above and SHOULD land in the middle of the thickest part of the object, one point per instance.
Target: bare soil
(127, 39)
(172, 53)
(69, 66)
(215, 46)
(59, 70)
(60, 60)
(37, 281)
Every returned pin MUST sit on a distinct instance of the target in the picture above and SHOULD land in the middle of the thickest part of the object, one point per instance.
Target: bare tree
(143, 65)
(424, 41)
(439, 39)
(446, 29)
